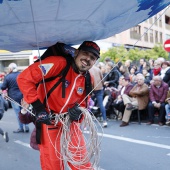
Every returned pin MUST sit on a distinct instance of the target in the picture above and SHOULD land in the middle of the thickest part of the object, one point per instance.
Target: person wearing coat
(165, 72)
(157, 95)
(10, 84)
(118, 103)
(139, 99)
(112, 78)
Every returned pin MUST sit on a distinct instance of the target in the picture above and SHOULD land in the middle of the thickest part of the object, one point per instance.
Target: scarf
(156, 71)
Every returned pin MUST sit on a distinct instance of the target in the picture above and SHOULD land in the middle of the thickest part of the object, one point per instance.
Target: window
(160, 20)
(135, 32)
(151, 35)
(21, 62)
(145, 34)
(167, 36)
(161, 38)
(155, 20)
(167, 19)
(150, 21)
(156, 36)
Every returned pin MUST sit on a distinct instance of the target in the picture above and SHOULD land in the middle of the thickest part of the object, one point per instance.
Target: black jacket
(166, 78)
(113, 78)
(11, 85)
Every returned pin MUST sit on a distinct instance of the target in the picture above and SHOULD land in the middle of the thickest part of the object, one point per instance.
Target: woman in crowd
(132, 74)
(147, 76)
(165, 72)
(157, 68)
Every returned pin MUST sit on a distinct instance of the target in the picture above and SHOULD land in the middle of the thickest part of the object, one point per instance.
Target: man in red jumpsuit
(84, 58)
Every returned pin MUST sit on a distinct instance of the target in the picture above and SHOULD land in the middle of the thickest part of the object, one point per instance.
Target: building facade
(146, 34)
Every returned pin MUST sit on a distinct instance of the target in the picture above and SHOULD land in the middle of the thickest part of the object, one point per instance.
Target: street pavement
(134, 147)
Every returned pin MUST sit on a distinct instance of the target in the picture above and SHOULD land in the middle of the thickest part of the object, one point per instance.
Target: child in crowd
(167, 109)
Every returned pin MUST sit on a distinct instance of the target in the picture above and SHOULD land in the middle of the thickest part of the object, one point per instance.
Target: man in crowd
(126, 87)
(157, 95)
(141, 61)
(112, 77)
(10, 84)
(98, 91)
(139, 99)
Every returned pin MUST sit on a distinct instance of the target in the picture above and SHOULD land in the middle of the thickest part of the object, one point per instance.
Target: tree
(115, 53)
(122, 54)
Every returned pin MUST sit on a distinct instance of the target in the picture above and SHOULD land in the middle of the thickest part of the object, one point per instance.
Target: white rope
(13, 101)
(92, 140)
(71, 148)
(39, 56)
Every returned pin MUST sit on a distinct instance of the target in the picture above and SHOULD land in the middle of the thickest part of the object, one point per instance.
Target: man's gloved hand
(74, 113)
(41, 115)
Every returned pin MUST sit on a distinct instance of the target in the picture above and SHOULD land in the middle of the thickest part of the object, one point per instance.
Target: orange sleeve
(31, 76)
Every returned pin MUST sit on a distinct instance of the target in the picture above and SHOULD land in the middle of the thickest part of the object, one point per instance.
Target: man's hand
(74, 113)
(24, 105)
(119, 97)
(41, 115)
(106, 83)
(157, 105)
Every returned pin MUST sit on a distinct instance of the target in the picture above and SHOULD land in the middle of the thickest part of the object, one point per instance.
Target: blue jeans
(17, 109)
(99, 97)
(167, 109)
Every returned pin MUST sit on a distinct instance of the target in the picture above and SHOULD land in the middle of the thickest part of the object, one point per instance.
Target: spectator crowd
(144, 87)
(119, 89)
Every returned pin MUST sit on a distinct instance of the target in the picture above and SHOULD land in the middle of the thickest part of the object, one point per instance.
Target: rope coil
(87, 146)
(74, 152)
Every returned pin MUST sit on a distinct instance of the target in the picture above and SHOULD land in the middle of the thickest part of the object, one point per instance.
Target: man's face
(85, 60)
(121, 69)
(141, 61)
(108, 67)
(144, 72)
(157, 82)
(157, 65)
(127, 63)
(140, 80)
(9, 70)
(121, 79)
(125, 82)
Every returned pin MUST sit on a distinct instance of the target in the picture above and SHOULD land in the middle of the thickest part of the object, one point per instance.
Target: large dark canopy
(26, 24)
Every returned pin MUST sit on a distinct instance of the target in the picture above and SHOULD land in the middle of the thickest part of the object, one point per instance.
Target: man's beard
(82, 69)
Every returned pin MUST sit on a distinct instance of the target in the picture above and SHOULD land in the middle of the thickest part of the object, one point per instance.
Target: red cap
(91, 47)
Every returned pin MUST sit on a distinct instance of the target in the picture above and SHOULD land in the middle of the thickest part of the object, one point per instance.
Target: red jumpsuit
(75, 93)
